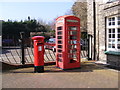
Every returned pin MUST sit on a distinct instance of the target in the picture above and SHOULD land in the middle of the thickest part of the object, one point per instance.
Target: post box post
(38, 54)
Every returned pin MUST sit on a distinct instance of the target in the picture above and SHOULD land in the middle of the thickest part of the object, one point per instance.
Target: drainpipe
(94, 26)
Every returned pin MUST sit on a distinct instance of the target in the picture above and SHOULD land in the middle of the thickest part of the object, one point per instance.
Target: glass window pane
(59, 33)
(73, 32)
(72, 51)
(72, 46)
(118, 18)
(109, 30)
(109, 23)
(59, 55)
(118, 44)
(59, 50)
(118, 30)
(109, 40)
(59, 42)
(113, 41)
(113, 45)
(118, 40)
(109, 19)
(59, 28)
(113, 23)
(72, 42)
(113, 35)
(73, 37)
(113, 30)
(113, 18)
(72, 28)
(59, 37)
(118, 22)
(59, 46)
(109, 35)
(109, 45)
(118, 35)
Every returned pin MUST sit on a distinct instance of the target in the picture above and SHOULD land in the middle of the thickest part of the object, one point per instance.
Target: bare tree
(79, 9)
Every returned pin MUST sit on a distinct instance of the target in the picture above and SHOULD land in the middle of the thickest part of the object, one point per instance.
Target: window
(111, 21)
(118, 20)
(113, 33)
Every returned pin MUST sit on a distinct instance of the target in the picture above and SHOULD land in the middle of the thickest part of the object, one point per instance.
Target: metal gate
(14, 50)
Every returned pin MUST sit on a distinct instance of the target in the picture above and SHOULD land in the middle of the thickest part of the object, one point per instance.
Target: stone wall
(103, 10)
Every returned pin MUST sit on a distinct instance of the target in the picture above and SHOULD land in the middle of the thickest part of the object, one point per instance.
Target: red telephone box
(68, 42)
(38, 53)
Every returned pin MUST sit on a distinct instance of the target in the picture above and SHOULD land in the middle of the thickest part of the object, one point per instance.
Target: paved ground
(89, 76)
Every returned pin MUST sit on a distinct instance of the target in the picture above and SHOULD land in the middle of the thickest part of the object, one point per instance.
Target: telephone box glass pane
(72, 28)
(59, 37)
(72, 51)
(60, 60)
(72, 42)
(59, 50)
(59, 42)
(73, 37)
(72, 46)
(73, 32)
(59, 28)
(59, 33)
(72, 56)
(59, 46)
(59, 55)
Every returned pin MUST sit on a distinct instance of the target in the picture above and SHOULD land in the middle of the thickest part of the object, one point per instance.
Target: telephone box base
(38, 69)
(69, 68)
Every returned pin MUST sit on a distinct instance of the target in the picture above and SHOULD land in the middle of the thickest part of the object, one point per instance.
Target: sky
(46, 11)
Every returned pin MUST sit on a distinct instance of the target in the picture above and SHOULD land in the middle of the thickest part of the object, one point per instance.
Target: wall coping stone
(112, 52)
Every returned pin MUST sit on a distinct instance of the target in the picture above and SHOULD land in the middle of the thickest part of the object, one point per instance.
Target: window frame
(108, 27)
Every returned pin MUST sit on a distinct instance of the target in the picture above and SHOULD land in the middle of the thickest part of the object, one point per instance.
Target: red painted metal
(68, 42)
(38, 53)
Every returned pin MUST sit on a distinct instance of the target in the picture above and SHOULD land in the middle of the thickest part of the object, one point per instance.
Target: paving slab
(90, 75)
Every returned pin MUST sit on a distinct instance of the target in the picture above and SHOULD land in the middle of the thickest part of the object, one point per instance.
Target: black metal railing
(20, 51)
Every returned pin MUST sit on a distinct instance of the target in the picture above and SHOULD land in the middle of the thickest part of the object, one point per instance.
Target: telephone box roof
(65, 16)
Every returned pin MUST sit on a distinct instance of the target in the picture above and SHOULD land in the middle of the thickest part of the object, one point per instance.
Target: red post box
(68, 42)
(38, 53)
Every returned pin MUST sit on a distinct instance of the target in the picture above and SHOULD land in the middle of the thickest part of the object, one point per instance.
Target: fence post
(22, 52)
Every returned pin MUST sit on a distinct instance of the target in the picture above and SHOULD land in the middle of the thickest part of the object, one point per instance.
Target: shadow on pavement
(85, 67)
